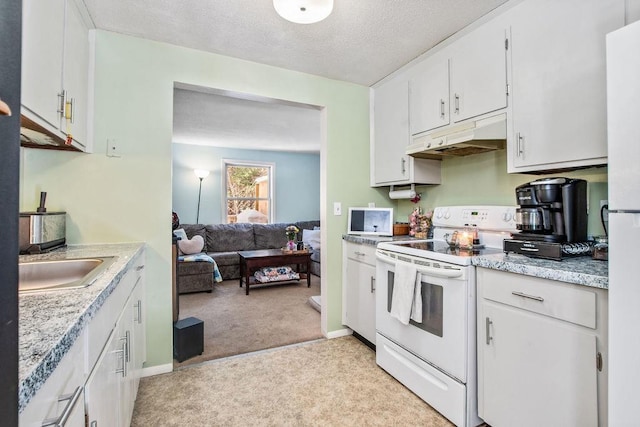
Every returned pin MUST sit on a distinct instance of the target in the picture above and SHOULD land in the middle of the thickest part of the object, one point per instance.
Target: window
(248, 191)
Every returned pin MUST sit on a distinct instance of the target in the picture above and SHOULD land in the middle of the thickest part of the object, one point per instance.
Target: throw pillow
(311, 238)
(180, 233)
(192, 246)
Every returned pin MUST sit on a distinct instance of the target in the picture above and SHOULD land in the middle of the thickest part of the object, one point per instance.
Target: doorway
(212, 127)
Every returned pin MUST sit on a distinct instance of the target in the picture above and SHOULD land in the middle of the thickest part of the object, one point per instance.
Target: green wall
(482, 179)
(129, 198)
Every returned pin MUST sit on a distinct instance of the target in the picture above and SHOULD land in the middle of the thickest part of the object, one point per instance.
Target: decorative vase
(291, 245)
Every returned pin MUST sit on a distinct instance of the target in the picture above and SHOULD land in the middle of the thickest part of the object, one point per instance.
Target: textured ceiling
(361, 42)
(217, 120)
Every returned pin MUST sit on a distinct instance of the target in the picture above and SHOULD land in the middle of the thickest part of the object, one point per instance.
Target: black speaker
(188, 338)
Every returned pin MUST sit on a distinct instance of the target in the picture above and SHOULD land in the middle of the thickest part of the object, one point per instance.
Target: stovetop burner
(440, 247)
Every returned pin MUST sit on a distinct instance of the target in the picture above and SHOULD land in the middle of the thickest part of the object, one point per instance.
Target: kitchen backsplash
(483, 180)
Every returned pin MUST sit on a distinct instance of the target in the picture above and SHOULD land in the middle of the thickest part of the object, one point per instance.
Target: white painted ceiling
(361, 42)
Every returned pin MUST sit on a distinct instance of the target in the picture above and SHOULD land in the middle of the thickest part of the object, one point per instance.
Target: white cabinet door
(391, 122)
(76, 73)
(42, 41)
(358, 285)
(479, 73)
(429, 94)
(101, 390)
(559, 86)
(367, 302)
(138, 345)
(535, 370)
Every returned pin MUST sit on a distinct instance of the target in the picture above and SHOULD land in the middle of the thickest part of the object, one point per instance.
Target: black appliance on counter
(552, 219)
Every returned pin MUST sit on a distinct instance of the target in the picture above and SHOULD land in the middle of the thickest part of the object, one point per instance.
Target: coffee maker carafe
(552, 210)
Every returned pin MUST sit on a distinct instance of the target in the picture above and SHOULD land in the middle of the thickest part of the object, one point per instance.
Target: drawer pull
(66, 412)
(359, 253)
(520, 294)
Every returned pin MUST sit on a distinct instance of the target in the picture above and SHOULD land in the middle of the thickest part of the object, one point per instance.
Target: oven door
(441, 338)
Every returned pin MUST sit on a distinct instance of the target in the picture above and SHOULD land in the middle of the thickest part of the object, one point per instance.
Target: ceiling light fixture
(303, 11)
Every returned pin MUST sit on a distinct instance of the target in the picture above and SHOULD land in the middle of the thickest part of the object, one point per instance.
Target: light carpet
(235, 323)
(324, 383)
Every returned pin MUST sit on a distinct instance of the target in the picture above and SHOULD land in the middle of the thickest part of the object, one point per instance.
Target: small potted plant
(291, 232)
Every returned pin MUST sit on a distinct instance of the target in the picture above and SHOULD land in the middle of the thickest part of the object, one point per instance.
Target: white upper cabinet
(479, 72)
(75, 72)
(55, 68)
(390, 163)
(429, 94)
(466, 79)
(42, 49)
(559, 86)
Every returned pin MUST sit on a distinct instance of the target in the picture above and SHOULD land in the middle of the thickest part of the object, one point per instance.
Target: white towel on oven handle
(406, 300)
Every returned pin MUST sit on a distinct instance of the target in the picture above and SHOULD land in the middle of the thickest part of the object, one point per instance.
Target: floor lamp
(201, 174)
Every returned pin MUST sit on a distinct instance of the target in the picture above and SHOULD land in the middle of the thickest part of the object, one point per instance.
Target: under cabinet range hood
(33, 135)
(464, 139)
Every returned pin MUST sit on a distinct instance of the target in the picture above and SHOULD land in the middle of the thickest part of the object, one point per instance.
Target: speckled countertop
(579, 270)
(50, 322)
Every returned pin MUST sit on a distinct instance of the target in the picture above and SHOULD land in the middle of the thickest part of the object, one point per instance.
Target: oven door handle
(440, 272)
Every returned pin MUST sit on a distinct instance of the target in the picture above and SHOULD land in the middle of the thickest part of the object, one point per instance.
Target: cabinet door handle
(69, 110)
(487, 325)
(122, 370)
(140, 267)
(138, 307)
(519, 144)
(62, 419)
(61, 102)
(373, 284)
(456, 104)
(402, 165)
(533, 297)
(442, 109)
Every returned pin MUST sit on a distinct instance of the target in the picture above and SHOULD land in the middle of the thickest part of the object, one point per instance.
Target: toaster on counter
(42, 231)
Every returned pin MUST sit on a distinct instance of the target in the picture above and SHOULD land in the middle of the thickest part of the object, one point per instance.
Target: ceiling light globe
(303, 11)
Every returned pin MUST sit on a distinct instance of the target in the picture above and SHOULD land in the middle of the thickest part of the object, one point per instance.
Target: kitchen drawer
(570, 303)
(361, 252)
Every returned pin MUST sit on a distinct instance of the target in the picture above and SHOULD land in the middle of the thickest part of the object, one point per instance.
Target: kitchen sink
(39, 276)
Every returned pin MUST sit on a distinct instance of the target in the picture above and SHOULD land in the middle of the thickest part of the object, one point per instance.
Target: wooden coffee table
(250, 261)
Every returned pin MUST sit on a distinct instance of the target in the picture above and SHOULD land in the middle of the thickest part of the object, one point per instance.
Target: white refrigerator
(623, 124)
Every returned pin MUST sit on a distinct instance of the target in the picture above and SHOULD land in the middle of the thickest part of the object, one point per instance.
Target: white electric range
(436, 358)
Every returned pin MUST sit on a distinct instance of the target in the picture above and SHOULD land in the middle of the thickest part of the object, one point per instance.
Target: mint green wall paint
(129, 198)
(296, 178)
(482, 179)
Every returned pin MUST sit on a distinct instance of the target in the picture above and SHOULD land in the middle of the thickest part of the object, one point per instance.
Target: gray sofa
(223, 242)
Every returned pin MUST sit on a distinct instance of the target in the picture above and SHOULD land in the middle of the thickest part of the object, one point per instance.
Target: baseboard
(157, 370)
(339, 333)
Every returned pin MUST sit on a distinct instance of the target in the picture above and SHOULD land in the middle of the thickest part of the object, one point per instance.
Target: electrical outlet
(606, 211)
(113, 148)
(337, 208)
(372, 205)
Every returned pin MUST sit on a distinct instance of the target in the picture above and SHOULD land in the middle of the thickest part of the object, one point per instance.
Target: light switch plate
(337, 208)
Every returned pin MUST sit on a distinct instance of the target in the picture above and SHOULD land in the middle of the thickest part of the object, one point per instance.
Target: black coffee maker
(552, 210)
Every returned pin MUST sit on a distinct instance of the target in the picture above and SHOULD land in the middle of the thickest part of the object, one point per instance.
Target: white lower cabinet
(98, 377)
(60, 401)
(358, 287)
(112, 387)
(541, 352)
